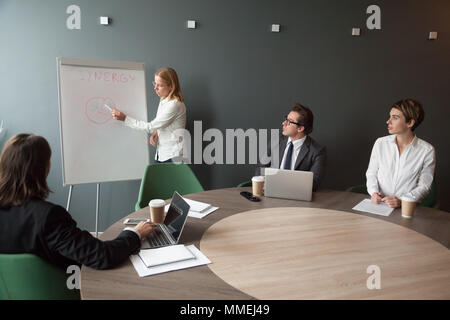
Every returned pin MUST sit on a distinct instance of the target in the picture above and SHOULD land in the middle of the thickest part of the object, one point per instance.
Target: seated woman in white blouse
(166, 128)
(401, 166)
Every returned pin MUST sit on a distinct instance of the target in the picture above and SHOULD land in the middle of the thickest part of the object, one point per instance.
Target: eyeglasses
(155, 85)
(291, 122)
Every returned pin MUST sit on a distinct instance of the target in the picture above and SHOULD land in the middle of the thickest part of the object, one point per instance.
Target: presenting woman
(29, 224)
(401, 166)
(170, 121)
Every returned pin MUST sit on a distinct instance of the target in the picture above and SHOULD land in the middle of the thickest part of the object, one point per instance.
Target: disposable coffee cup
(157, 210)
(258, 185)
(408, 208)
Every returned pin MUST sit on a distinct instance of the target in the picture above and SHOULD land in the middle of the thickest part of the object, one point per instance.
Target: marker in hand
(109, 108)
(116, 114)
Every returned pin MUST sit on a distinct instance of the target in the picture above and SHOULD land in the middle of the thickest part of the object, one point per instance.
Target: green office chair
(358, 189)
(28, 277)
(244, 184)
(3, 292)
(430, 200)
(162, 179)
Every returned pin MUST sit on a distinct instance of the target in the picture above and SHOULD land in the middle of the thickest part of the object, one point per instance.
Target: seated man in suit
(297, 150)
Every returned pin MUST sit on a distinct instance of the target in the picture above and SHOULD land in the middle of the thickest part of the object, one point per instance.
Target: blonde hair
(170, 77)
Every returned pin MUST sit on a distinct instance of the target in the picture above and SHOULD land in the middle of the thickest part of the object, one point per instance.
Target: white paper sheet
(381, 209)
(200, 215)
(197, 206)
(164, 255)
(143, 271)
(194, 214)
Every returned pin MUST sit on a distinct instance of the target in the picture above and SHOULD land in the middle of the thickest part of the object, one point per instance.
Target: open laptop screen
(176, 215)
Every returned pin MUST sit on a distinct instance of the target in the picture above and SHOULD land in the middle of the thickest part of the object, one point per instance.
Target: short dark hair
(306, 117)
(412, 110)
(24, 162)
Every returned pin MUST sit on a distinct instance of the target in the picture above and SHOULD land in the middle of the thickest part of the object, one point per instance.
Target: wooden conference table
(285, 249)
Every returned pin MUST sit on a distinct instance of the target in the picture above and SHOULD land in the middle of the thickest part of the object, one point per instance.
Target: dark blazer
(48, 231)
(312, 157)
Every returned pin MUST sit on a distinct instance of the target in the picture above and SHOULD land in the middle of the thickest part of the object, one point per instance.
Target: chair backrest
(28, 277)
(162, 179)
(358, 189)
(244, 184)
(430, 199)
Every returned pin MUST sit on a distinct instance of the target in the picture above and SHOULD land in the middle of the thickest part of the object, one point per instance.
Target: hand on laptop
(144, 228)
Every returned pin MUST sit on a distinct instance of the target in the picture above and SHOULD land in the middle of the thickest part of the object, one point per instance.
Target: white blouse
(407, 176)
(169, 122)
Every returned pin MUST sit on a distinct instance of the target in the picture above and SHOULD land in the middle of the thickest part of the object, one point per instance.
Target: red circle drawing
(97, 112)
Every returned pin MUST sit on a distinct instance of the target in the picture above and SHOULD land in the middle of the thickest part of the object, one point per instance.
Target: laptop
(169, 232)
(288, 184)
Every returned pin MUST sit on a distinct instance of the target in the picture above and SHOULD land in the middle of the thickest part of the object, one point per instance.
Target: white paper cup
(157, 210)
(258, 185)
(408, 208)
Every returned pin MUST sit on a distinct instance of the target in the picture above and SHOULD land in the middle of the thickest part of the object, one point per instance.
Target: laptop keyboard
(158, 239)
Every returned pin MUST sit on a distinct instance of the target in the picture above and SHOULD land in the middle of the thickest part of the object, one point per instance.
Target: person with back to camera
(401, 165)
(170, 117)
(29, 224)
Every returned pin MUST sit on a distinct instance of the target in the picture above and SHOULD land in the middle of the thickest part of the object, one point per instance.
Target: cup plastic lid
(258, 178)
(407, 199)
(156, 203)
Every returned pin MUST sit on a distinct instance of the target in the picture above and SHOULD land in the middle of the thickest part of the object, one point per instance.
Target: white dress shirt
(407, 176)
(169, 121)
(295, 151)
(133, 230)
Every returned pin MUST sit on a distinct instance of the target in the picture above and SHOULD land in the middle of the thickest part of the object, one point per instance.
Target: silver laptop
(169, 232)
(288, 184)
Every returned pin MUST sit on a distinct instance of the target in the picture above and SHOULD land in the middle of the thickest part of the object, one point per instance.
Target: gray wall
(236, 74)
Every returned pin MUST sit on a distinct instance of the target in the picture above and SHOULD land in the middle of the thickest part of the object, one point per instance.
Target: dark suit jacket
(312, 157)
(48, 231)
